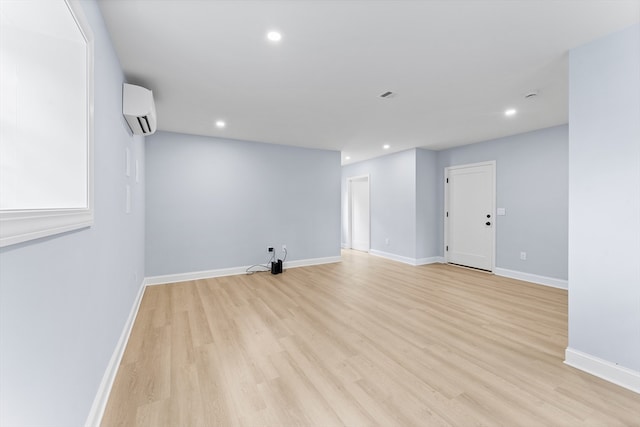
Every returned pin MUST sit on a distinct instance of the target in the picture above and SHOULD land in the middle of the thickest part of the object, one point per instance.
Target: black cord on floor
(284, 259)
(266, 266)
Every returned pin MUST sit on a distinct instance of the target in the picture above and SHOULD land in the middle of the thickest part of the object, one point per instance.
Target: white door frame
(491, 163)
(350, 209)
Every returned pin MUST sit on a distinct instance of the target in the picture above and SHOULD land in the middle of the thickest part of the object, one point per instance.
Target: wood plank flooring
(363, 342)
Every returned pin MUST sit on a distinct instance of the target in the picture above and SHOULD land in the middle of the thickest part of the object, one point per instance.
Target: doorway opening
(359, 233)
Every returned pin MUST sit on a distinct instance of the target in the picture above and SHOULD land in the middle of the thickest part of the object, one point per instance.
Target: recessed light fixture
(220, 124)
(510, 112)
(347, 158)
(274, 36)
(386, 146)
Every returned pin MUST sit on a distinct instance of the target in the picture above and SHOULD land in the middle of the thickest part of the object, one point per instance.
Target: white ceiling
(454, 65)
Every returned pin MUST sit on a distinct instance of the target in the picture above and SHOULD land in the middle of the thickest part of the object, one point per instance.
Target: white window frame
(18, 226)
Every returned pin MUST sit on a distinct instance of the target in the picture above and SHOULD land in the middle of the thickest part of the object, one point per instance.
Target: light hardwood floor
(363, 342)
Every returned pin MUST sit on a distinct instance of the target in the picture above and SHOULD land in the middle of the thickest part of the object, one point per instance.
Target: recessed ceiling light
(386, 146)
(510, 112)
(347, 158)
(220, 124)
(274, 36)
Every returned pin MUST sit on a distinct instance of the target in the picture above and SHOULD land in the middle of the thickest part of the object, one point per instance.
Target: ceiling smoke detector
(386, 95)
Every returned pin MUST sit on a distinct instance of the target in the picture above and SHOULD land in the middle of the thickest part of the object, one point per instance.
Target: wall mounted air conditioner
(139, 109)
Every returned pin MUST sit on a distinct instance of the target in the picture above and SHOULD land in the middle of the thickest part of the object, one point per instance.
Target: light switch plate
(501, 211)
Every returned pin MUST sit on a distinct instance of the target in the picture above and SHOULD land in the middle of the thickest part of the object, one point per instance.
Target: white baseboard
(534, 278)
(393, 257)
(431, 260)
(604, 369)
(184, 277)
(102, 396)
(312, 261)
(196, 275)
(406, 260)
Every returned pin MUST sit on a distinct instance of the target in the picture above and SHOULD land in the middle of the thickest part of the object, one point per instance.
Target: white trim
(430, 260)
(612, 372)
(393, 257)
(102, 396)
(534, 278)
(312, 261)
(17, 226)
(208, 274)
(22, 226)
(445, 218)
(367, 178)
(196, 275)
(407, 260)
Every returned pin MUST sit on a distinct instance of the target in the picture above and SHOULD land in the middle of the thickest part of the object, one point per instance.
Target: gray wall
(407, 200)
(532, 184)
(604, 204)
(65, 299)
(427, 207)
(215, 203)
(392, 187)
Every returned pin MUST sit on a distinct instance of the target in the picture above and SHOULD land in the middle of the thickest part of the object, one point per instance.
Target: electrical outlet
(269, 248)
(523, 256)
(284, 248)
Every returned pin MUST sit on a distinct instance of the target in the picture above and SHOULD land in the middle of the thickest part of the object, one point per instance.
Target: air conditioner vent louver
(139, 109)
(144, 124)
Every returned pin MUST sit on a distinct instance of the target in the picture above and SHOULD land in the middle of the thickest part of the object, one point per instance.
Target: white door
(360, 213)
(470, 215)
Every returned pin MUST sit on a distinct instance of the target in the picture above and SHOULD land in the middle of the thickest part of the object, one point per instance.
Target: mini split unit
(139, 109)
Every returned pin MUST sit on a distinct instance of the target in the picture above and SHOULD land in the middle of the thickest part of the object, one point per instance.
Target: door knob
(488, 223)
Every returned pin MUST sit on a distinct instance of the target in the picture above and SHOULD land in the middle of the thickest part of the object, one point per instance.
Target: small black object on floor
(276, 267)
